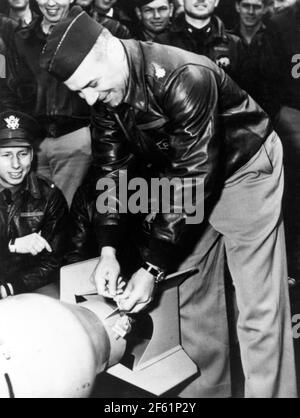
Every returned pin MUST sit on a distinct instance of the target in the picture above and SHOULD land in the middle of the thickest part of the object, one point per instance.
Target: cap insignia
(12, 122)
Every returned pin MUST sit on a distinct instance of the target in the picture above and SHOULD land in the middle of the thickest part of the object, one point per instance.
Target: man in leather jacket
(181, 116)
(33, 212)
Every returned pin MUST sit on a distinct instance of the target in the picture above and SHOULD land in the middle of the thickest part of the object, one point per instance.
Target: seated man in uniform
(33, 212)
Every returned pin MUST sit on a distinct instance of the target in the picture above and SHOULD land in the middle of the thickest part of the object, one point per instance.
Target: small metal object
(122, 326)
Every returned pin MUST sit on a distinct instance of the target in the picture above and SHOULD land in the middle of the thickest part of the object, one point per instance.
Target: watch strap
(11, 246)
(158, 273)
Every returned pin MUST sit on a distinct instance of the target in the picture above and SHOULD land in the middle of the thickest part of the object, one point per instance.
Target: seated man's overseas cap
(18, 129)
(69, 43)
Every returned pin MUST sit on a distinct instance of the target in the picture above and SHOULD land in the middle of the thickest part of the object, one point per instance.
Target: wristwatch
(157, 272)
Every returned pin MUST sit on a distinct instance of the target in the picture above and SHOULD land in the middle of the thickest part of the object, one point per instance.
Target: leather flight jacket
(183, 116)
(37, 206)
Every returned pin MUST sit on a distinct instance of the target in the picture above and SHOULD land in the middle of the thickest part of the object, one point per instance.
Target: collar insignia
(12, 122)
(223, 62)
(159, 71)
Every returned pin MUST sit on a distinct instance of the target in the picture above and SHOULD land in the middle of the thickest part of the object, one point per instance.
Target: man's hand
(106, 275)
(31, 244)
(139, 292)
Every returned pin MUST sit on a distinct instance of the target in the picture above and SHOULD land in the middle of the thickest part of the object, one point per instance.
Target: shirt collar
(25, 20)
(237, 31)
(205, 31)
(110, 13)
(148, 36)
(216, 26)
(95, 12)
(13, 192)
(33, 29)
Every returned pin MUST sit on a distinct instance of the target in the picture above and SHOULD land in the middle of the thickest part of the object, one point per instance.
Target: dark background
(226, 10)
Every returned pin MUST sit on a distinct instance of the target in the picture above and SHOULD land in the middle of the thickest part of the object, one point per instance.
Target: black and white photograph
(149, 201)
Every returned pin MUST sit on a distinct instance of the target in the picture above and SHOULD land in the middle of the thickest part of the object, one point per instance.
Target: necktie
(7, 196)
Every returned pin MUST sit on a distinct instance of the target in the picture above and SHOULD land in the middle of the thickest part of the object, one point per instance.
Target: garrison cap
(141, 3)
(69, 43)
(18, 129)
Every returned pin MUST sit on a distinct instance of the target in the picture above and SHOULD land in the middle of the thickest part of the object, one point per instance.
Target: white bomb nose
(54, 349)
(49, 349)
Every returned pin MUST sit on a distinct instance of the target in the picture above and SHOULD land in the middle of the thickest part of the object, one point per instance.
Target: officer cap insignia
(12, 122)
(159, 71)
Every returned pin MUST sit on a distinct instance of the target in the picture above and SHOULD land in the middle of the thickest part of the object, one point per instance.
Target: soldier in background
(21, 12)
(201, 31)
(154, 18)
(251, 30)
